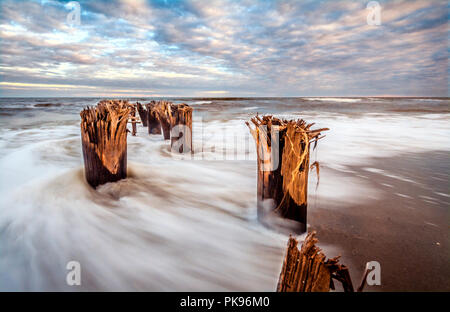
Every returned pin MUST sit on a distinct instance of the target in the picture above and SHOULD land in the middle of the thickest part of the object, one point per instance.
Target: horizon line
(234, 97)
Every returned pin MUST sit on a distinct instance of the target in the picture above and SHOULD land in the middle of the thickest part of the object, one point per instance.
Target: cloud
(248, 47)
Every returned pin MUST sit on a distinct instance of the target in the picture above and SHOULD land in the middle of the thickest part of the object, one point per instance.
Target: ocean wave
(200, 102)
(48, 105)
(158, 229)
(339, 100)
(433, 100)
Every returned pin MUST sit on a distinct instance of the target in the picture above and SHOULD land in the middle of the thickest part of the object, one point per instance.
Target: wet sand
(402, 221)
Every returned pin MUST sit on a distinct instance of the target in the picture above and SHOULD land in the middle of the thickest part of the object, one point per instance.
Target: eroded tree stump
(307, 270)
(133, 119)
(154, 126)
(164, 111)
(142, 113)
(283, 165)
(181, 128)
(104, 141)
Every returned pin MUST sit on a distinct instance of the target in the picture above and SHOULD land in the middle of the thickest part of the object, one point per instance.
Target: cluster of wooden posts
(283, 148)
(104, 134)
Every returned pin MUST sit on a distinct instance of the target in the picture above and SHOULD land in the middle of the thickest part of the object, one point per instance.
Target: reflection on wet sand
(401, 220)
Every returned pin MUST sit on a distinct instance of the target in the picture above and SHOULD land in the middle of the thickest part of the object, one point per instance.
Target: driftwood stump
(164, 111)
(133, 120)
(306, 270)
(154, 126)
(181, 128)
(104, 141)
(283, 165)
(142, 113)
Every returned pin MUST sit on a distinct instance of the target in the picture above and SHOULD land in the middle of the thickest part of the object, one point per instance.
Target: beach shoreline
(383, 195)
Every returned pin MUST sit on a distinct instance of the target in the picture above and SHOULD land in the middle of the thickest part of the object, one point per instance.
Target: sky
(218, 48)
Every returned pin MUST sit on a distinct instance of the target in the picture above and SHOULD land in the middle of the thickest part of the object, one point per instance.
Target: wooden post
(104, 141)
(142, 113)
(181, 128)
(164, 111)
(283, 165)
(306, 270)
(154, 127)
(133, 120)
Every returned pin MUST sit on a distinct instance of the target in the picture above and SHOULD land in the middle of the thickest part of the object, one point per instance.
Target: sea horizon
(234, 97)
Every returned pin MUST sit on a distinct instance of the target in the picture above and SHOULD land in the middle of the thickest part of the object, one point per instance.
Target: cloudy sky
(215, 48)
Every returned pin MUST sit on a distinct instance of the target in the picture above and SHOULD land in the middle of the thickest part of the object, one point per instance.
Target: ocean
(189, 223)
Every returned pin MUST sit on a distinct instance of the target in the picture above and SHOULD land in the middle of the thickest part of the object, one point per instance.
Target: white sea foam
(173, 225)
(353, 140)
(200, 102)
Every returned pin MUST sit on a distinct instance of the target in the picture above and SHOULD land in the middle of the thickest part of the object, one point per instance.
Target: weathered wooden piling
(283, 165)
(181, 128)
(307, 270)
(133, 119)
(154, 126)
(142, 113)
(104, 141)
(164, 111)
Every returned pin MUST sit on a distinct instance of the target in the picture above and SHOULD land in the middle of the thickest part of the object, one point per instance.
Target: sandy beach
(403, 225)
